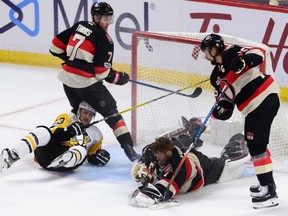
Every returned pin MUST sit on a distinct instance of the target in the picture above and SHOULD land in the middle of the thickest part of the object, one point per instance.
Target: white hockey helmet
(85, 105)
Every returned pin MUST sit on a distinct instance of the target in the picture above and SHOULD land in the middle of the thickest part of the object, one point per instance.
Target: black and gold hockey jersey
(61, 140)
(91, 138)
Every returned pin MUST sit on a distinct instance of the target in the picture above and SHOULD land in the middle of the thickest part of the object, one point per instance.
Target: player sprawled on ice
(255, 94)
(64, 146)
(161, 158)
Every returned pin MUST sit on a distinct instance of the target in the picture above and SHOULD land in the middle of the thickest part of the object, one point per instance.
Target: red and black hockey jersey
(248, 88)
(189, 178)
(87, 51)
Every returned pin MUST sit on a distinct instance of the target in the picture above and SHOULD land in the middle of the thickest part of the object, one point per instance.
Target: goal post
(173, 60)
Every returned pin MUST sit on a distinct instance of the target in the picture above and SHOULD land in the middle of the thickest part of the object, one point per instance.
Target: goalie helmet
(101, 8)
(212, 40)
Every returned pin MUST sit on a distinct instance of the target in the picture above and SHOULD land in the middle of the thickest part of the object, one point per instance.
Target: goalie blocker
(204, 170)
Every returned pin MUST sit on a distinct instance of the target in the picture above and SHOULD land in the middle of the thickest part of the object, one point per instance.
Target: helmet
(101, 8)
(85, 105)
(212, 40)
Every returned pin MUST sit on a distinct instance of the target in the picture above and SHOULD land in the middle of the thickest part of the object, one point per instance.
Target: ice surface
(32, 96)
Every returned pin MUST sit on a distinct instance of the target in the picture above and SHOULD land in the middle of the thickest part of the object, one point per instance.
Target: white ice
(32, 96)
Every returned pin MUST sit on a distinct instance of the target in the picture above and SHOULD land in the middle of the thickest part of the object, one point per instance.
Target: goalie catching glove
(145, 196)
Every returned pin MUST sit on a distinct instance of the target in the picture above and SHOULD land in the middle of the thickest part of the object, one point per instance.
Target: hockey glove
(238, 64)
(117, 77)
(140, 173)
(75, 129)
(100, 158)
(223, 110)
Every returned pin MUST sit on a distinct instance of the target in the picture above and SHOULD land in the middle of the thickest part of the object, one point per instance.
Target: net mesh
(173, 60)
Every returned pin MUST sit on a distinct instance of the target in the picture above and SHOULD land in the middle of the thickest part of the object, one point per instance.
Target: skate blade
(269, 203)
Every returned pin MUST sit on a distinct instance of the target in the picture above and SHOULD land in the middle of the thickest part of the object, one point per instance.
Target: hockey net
(173, 60)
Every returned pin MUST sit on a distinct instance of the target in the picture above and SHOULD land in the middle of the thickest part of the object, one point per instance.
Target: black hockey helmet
(101, 8)
(212, 40)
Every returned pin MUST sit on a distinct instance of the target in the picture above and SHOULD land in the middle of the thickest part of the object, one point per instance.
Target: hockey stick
(195, 94)
(145, 103)
(166, 192)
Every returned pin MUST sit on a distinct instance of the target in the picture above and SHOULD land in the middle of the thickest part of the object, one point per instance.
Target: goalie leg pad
(236, 148)
(233, 169)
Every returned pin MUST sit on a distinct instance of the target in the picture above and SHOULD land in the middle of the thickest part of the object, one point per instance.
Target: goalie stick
(145, 103)
(195, 93)
(166, 192)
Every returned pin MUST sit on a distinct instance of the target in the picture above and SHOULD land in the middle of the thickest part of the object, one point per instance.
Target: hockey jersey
(87, 51)
(189, 178)
(91, 139)
(246, 89)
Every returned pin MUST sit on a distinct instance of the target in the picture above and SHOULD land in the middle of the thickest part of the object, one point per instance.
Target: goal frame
(134, 54)
(134, 64)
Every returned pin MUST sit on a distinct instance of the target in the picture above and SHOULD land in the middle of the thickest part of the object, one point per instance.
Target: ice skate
(255, 189)
(264, 196)
(131, 154)
(8, 158)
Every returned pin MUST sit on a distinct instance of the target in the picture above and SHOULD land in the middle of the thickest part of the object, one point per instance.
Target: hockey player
(161, 158)
(64, 146)
(255, 94)
(87, 51)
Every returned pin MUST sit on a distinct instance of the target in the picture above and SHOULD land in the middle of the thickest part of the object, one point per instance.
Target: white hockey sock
(78, 155)
(40, 136)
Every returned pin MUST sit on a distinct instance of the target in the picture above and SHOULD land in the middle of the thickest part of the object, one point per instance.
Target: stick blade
(196, 92)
